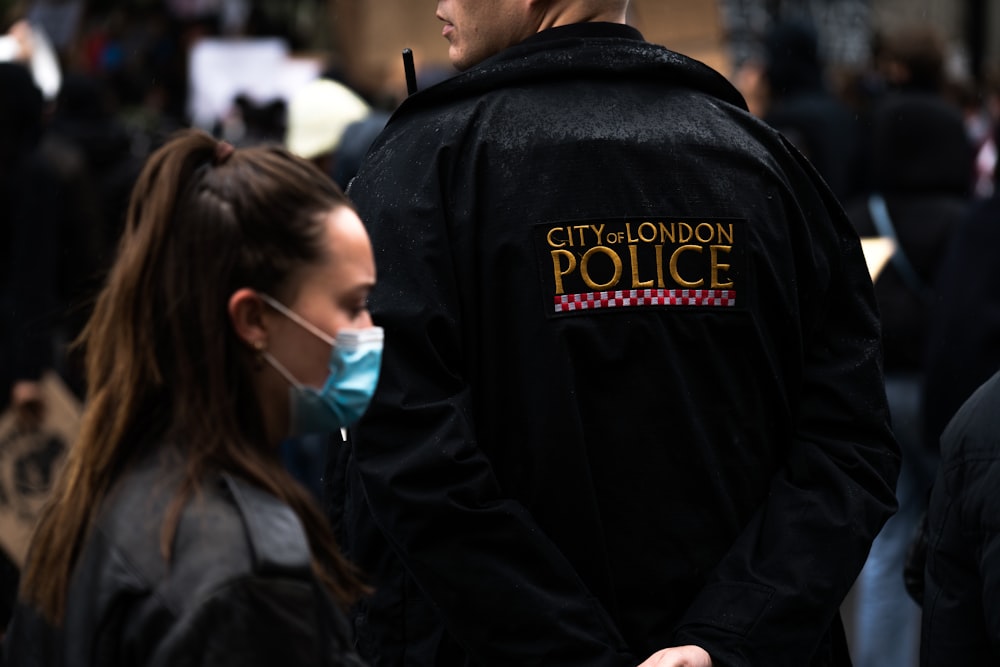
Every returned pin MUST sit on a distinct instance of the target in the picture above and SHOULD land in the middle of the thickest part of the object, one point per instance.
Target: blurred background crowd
(895, 103)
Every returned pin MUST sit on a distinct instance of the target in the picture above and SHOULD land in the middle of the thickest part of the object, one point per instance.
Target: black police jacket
(239, 589)
(631, 395)
(961, 606)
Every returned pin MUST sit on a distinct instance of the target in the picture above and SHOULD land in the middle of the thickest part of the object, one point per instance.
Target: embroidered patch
(607, 265)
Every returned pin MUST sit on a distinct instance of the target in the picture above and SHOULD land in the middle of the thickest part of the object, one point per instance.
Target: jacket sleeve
(778, 589)
(960, 623)
(989, 566)
(961, 616)
(505, 592)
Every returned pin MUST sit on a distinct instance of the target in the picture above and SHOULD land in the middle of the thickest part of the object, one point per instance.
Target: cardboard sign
(30, 461)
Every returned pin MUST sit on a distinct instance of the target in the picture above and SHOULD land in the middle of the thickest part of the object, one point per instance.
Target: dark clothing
(110, 163)
(924, 224)
(922, 166)
(963, 340)
(824, 130)
(354, 145)
(53, 239)
(920, 145)
(631, 395)
(53, 269)
(961, 621)
(802, 107)
(239, 590)
(21, 108)
(921, 163)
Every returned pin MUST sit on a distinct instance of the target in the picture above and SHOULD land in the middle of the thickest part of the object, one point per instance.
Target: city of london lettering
(642, 263)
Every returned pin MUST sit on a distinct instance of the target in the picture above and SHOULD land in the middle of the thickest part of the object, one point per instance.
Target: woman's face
(331, 295)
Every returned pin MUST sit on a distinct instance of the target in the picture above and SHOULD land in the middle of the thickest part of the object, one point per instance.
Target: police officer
(632, 404)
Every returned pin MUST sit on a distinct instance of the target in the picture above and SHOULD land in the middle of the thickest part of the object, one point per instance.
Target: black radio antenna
(411, 72)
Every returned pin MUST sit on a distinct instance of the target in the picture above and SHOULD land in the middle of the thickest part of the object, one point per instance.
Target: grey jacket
(238, 591)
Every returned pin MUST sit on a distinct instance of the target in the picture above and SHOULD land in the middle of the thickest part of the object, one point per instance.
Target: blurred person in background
(961, 562)
(318, 115)
(51, 231)
(85, 122)
(963, 339)
(357, 139)
(803, 108)
(67, 170)
(919, 189)
(982, 114)
(20, 132)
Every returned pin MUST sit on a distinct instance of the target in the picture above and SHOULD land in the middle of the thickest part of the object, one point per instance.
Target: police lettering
(648, 254)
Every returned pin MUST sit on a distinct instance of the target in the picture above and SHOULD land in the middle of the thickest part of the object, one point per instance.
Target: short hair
(921, 49)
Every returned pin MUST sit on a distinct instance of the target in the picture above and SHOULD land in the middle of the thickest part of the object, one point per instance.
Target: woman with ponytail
(235, 315)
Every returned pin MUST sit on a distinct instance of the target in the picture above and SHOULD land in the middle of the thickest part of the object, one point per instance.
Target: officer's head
(478, 29)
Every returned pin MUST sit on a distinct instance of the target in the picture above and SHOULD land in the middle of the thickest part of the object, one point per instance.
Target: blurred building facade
(364, 38)
(370, 35)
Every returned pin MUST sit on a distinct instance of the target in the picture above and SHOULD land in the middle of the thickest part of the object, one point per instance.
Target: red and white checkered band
(712, 298)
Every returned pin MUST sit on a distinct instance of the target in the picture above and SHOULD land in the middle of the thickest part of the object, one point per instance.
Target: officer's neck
(569, 13)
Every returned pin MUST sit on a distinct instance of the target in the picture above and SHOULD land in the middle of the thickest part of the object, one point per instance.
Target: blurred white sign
(43, 61)
(261, 69)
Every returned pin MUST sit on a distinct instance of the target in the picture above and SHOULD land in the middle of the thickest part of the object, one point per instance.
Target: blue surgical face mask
(355, 361)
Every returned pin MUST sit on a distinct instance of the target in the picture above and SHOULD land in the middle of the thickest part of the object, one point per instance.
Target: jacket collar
(597, 50)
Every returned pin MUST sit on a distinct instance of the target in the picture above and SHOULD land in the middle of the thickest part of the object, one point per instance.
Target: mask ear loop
(298, 319)
(276, 365)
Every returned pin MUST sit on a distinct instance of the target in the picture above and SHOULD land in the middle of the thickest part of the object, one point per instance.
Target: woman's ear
(246, 313)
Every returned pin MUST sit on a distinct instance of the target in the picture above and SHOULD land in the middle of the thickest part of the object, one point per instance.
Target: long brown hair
(162, 359)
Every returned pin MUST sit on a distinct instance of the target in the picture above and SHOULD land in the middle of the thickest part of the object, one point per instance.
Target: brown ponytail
(162, 360)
